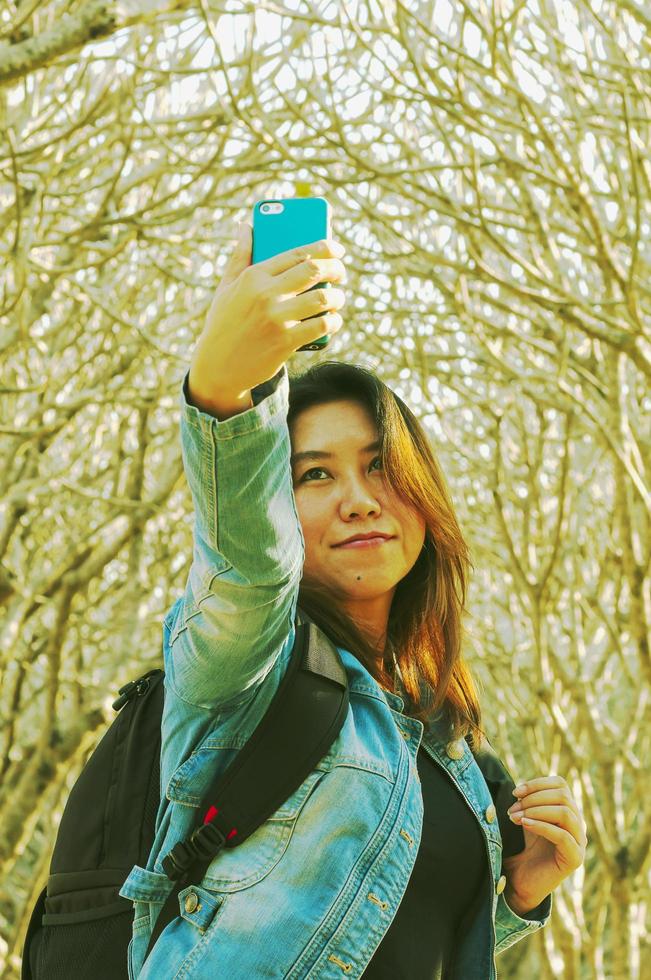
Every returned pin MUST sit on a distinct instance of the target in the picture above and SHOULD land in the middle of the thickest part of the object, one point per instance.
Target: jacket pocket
(184, 942)
(199, 907)
(247, 863)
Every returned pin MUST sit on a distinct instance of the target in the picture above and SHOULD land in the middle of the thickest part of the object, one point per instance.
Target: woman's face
(348, 494)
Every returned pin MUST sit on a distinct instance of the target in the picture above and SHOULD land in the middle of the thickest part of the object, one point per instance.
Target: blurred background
(487, 164)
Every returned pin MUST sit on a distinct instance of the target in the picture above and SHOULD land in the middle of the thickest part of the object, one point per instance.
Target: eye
(321, 469)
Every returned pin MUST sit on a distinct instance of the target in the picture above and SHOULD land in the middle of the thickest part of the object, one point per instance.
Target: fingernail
(519, 790)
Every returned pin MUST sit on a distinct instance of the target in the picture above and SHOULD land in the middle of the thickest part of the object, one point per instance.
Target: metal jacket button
(192, 902)
(455, 749)
(490, 813)
(501, 885)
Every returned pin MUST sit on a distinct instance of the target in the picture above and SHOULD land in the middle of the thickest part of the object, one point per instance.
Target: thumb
(243, 243)
(241, 255)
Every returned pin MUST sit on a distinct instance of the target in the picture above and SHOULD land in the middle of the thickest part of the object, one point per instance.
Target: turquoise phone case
(303, 220)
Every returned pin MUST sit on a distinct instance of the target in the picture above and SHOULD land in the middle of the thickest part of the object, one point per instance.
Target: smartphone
(287, 222)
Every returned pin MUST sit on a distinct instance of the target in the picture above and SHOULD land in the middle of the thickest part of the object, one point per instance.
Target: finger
(317, 326)
(324, 248)
(568, 848)
(561, 816)
(240, 257)
(310, 304)
(308, 273)
(540, 782)
(558, 795)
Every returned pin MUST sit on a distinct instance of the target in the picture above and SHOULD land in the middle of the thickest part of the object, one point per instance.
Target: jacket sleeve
(225, 633)
(509, 926)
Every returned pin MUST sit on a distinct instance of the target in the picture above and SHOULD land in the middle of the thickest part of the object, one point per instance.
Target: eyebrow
(316, 454)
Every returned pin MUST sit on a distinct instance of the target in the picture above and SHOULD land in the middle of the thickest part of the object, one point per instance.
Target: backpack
(80, 926)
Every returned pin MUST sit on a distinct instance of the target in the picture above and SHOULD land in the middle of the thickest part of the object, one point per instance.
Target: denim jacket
(314, 889)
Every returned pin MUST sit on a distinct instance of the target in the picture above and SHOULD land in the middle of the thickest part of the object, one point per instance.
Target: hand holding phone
(260, 315)
(285, 223)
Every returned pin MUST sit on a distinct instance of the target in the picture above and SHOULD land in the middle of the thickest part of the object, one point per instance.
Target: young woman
(388, 861)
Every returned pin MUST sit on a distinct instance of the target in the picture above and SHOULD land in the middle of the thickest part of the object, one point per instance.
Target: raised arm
(225, 632)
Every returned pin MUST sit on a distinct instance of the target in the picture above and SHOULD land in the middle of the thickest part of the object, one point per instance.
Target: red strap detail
(211, 814)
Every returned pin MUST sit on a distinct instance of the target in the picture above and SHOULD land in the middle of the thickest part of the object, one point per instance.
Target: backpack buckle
(206, 841)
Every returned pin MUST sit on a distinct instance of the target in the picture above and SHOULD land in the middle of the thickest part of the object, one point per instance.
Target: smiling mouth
(364, 543)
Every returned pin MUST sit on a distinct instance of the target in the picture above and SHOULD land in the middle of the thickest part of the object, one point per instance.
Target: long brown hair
(425, 631)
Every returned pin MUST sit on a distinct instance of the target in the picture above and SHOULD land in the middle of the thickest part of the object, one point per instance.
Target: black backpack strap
(299, 726)
(32, 928)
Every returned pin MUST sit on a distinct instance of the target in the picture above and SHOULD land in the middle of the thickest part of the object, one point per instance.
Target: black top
(445, 888)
